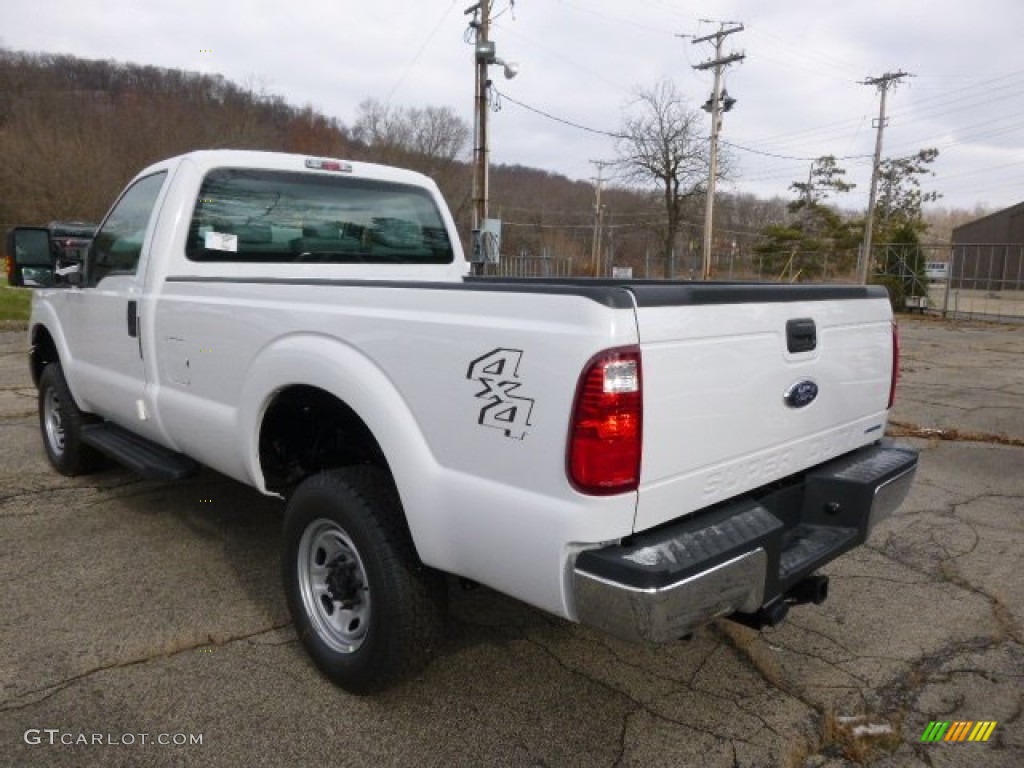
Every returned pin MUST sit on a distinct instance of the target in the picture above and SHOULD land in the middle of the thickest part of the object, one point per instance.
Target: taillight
(895, 364)
(606, 431)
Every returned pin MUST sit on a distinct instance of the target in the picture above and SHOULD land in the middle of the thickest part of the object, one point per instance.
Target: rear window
(282, 216)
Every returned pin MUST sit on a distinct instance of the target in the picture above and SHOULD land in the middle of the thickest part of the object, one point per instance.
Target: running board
(138, 454)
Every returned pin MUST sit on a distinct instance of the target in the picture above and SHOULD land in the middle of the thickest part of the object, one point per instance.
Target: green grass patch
(15, 303)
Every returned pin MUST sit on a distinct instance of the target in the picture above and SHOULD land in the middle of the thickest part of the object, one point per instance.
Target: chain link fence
(982, 281)
(534, 266)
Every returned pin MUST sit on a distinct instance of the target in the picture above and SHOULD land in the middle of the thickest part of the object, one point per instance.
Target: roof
(995, 227)
(207, 159)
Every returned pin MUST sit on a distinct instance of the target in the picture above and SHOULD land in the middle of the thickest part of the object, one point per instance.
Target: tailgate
(745, 385)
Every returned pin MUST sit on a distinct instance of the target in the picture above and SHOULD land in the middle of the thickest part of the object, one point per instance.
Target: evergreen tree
(816, 241)
(899, 224)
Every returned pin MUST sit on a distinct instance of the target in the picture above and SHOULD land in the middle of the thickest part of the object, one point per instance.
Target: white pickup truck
(638, 456)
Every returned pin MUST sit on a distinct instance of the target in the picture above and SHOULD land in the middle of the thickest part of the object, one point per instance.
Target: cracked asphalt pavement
(131, 607)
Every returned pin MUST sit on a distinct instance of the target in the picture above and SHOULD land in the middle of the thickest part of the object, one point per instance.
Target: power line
(786, 157)
(531, 43)
(927, 107)
(616, 21)
(419, 52)
(971, 103)
(815, 58)
(990, 132)
(950, 96)
(763, 177)
(988, 171)
(791, 136)
(557, 119)
(610, 134)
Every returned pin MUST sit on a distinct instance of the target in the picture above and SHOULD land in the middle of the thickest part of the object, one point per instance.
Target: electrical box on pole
(486, 242)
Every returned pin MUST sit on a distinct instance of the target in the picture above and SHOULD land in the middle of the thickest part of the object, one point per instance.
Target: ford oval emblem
(801, 394)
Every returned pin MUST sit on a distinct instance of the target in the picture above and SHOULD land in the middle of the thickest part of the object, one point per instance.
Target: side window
(117, 246)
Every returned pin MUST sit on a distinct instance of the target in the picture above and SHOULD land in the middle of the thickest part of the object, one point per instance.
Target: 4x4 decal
(498, 371)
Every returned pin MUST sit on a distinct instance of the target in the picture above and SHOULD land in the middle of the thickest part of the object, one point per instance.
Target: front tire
(368, 612)
(61, 422)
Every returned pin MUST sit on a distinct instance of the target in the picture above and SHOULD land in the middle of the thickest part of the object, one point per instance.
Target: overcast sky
(798, 90)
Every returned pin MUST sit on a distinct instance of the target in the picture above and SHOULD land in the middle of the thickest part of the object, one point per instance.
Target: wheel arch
(47, 339)
(49, 345)
(305, 430)
(342, 385)
(42, 352)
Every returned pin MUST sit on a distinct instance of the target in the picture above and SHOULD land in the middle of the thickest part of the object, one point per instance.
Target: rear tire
(61, 422)
(368, 612)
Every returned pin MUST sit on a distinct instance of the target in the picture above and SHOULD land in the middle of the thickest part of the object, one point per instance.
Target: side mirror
(30, 258)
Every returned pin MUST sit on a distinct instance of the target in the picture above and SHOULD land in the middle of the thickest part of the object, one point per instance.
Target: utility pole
(716, 108)
(882, 83)
(809, 192)
(805, 214)
(595, 249)
(484, 53)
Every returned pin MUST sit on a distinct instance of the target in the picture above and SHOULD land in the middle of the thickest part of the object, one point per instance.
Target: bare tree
(661, 145)
(439, 133)
(434, 132)
(382, 128)
(432, 140)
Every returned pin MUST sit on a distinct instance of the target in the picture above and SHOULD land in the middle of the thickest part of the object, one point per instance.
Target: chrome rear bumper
(742, 556)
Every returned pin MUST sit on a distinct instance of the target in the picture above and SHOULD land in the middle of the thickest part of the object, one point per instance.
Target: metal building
(988, 253)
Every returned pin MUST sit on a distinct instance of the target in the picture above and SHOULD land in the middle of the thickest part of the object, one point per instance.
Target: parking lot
(142, 612)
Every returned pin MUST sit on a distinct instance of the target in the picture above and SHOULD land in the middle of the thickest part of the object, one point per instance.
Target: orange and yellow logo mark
(958, 730)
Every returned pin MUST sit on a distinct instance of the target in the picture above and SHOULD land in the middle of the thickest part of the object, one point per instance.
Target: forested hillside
(73, 131)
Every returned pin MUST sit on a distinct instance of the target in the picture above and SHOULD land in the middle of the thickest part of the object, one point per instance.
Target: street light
(511, 68)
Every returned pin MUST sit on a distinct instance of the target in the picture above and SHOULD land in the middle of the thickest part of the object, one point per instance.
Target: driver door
(104, 333)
